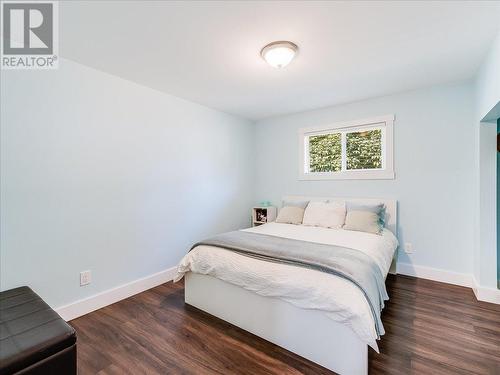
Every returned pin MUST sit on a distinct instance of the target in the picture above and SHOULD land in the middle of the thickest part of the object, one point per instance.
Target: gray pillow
(378, 209)
(290, 215)
(363, 221)
(301, 204)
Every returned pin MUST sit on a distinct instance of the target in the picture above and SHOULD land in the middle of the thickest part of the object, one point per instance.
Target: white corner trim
(486, 294)
(436, 274)
(97, 301)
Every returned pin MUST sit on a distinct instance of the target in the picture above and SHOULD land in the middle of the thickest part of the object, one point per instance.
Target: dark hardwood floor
(431, 328)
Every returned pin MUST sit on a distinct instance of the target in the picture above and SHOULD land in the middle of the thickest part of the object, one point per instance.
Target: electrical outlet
(85, 277)
(408, 248)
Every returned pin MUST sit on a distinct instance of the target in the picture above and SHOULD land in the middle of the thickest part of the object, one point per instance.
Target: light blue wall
(498, 208)
(434, 162)
(100, 173)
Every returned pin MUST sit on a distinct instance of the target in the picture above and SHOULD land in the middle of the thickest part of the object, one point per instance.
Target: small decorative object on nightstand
(262, 215)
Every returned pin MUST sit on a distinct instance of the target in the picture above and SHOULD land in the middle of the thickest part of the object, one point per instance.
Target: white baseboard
(436, 274)
(110, 296)
(486, 294)
(482, 293)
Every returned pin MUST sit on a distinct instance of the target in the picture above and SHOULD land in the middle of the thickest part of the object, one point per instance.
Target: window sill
(349, 175)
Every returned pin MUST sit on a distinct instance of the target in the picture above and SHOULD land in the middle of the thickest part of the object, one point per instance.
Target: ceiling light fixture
(279, 54)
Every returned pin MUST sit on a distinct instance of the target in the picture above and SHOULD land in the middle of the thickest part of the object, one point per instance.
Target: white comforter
(341, 300)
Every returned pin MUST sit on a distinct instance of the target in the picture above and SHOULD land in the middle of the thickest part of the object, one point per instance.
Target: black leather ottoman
(34, 339)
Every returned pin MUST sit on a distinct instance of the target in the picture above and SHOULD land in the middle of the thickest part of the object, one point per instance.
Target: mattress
(338, 298)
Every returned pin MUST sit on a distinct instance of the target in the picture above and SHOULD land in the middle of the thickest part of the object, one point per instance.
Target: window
(353, 150)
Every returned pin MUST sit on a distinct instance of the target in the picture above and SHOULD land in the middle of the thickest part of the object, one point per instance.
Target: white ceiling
(208, 52)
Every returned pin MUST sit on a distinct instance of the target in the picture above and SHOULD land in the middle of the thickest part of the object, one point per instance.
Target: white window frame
(386, 123)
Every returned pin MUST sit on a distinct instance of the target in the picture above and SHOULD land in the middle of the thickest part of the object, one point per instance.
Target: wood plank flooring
(431, 328)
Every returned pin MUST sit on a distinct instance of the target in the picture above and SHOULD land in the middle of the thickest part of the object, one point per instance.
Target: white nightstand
(262, 215)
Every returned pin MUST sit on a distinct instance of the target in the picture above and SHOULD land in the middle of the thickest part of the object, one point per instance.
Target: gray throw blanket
(349, 264)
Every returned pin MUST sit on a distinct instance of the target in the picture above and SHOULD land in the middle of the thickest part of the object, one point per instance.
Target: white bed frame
(308, 333)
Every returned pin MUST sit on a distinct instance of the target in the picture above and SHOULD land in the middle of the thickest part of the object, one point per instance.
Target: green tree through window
(364, 149)
(325, 153)
(351, 150)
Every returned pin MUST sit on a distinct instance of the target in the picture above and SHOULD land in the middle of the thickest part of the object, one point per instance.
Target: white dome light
(279, 54)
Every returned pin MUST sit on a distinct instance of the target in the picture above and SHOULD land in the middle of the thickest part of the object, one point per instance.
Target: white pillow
(290, 215)
(325, 214)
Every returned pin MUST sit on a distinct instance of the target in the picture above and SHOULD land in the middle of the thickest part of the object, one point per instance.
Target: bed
(316, 315)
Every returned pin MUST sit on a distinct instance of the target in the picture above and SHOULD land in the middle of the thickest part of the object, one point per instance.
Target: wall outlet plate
(85, 277)
(408, 248)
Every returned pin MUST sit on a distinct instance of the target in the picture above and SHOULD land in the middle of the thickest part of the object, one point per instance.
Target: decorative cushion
(379, 209)
(363, 221)
(290, 215)
(325, 214)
